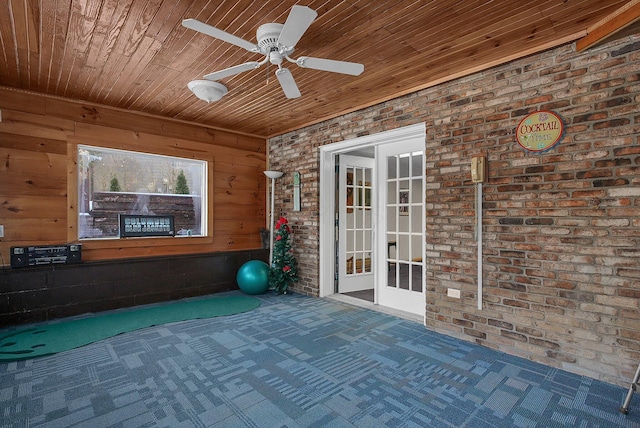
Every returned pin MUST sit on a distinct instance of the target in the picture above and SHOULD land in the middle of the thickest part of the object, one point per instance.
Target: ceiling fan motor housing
(267, 36)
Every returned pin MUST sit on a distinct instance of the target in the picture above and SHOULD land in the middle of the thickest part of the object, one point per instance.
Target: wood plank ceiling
(136, 55)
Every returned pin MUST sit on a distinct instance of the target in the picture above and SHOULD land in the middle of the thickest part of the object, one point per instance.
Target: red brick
(514, 336)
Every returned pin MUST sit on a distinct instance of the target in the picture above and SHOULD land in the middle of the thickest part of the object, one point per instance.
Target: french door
(400, 266)
(393, 257)
(355, 214)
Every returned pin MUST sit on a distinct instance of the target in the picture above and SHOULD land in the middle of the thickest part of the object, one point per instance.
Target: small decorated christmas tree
(182, 188)
(114, 185)
(284, 269)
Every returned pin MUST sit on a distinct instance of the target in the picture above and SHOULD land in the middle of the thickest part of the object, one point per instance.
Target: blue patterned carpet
(298, 361)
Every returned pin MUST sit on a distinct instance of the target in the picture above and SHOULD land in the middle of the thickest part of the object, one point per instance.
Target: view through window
(155, 187)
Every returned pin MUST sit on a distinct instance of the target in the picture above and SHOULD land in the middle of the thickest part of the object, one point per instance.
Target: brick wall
(561, 228)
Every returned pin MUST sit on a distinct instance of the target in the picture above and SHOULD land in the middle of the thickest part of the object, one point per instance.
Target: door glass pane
(350, 263)
(416, 277)
(416, 164)
(359, 177)
(403, 247)
(391, 277)
(404, 166)
(403, 276)
(392, 169)
(392, 194)
(359, 239)
(391, 218)
(358, 219)
(391, 262)
(416, 224)
(416, 191)
(416, 248)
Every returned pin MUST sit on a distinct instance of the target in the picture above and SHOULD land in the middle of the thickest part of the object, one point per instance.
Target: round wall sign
(539, 131)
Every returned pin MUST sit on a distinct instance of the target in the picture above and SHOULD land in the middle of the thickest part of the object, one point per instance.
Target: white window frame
(201, 192)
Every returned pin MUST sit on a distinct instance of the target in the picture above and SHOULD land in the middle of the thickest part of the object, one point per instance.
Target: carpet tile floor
(298, 361)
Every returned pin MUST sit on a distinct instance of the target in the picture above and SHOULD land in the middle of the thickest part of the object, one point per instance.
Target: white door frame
(327, 206)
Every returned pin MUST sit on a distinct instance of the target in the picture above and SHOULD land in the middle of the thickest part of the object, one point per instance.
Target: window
(155, 187)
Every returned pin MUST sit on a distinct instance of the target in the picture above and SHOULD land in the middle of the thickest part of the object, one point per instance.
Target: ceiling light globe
(207, 90)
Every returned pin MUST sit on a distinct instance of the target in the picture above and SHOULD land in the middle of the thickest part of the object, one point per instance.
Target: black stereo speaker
(19, 257)
(46, 255)
(74, 253)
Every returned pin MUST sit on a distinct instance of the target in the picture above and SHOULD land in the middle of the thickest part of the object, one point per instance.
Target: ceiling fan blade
(344, 67)
(217, 75)
(207, 29)
(299, 19)
(288, 84)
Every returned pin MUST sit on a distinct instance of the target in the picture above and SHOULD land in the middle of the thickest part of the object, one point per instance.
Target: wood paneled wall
(38, 136)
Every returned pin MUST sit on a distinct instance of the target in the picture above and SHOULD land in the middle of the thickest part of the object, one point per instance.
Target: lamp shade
(273, 174)
(207, 90)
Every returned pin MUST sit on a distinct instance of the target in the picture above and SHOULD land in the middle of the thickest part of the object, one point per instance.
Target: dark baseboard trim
(42, 293)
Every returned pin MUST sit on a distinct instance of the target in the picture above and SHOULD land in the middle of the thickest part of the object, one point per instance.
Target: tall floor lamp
(272, 175)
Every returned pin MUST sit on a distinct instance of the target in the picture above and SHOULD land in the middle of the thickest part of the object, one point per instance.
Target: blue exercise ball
(253, 277)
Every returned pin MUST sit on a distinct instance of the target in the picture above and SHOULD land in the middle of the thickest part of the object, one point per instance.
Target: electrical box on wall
(478, 169)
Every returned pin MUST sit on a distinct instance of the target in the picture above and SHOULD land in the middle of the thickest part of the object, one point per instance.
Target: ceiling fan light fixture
(207, 90)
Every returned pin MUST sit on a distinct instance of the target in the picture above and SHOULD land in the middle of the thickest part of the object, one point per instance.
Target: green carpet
(55, 337)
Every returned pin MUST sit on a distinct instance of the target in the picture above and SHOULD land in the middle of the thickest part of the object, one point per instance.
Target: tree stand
(634, 384)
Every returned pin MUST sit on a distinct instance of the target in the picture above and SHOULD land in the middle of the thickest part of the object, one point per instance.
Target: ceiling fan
(276, 42)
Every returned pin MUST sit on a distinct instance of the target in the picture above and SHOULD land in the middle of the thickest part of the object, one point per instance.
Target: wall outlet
(1, 231)
(452, 292)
